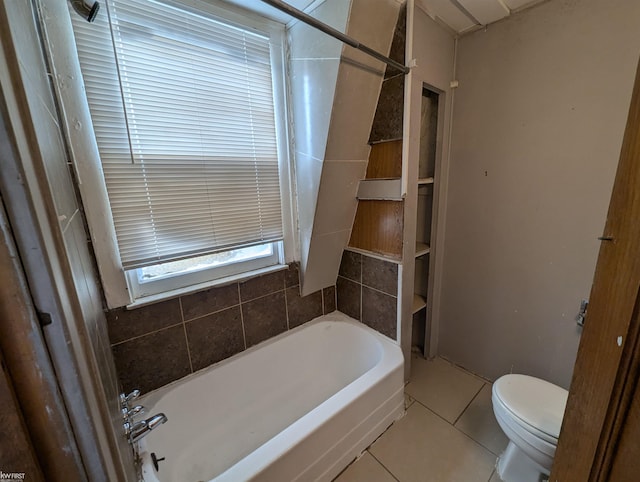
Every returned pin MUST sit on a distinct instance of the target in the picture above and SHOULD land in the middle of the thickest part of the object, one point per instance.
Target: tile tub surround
(159, 343)
(367, 290)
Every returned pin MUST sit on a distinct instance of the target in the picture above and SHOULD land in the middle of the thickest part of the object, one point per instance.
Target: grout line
(383, 466)
(148, 333)
(286, 304)
(361, 263)
(476, 442)
(233, 306)
(433, 411)
(186, 338)
(379, 291)
(244, 335)
(468, 404)
(453, 426)
(259, 297)
(212, 313)
(324, 311)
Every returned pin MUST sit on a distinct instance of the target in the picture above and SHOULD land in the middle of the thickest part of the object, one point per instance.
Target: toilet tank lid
(536, 402)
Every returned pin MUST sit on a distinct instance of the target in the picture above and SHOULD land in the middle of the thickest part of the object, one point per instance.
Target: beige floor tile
(442, 387)
(365, 469)
(479, 423)
(422, 447)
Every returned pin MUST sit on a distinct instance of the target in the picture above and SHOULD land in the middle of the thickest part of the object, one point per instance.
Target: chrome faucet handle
(130, 412)
(125, 399)
(135, 410)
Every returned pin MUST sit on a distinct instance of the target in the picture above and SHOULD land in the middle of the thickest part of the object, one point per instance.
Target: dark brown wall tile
(153, 360)
(262, 285)
(301, 309)
(215, 337)
(124, 324)
(264, 318)
(379, 274)
(348, 294)
(379, 311)
(351, 266)
(329, 299)
(292, 275)
(209, 301)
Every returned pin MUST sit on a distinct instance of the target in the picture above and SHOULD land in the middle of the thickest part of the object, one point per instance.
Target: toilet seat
(535, 405)
(541, 440)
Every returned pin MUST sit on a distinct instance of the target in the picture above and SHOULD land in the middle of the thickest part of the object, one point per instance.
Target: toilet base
(516, 466)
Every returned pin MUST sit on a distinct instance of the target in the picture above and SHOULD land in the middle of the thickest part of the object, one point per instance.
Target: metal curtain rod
(309, 20)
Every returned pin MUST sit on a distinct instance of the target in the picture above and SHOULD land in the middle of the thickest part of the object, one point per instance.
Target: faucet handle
(135, 410)
(130, 412)
(125, 399)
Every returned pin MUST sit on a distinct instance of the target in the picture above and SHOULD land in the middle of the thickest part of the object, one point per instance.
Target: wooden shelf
(385, 159)
(422, 249)
(419, 302)
(378, 227)
(425, 180)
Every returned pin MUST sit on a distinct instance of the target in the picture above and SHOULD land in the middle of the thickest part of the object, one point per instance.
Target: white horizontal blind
(184, 121)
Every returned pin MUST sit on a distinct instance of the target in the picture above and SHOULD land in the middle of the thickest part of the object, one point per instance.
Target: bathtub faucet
(142, 428)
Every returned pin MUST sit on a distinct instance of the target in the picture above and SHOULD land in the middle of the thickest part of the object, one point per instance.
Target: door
(600, 438)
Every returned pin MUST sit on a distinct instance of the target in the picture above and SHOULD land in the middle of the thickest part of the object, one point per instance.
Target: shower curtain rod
(323, 27)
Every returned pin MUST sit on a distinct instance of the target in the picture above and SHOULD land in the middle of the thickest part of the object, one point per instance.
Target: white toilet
(529, 411)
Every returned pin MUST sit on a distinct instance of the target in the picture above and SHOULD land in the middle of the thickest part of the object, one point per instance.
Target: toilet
(529, 411)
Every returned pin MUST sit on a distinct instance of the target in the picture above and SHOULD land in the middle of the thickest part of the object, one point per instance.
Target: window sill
(167, 295)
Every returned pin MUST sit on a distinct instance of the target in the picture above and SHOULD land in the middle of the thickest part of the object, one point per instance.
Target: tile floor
(449, 433)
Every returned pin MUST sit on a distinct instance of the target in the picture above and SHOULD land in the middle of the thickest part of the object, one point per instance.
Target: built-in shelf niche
(424, 217)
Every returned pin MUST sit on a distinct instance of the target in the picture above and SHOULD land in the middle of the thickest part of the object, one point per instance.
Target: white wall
(538, 125)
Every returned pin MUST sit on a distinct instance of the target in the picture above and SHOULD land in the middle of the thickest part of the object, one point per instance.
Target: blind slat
(184, 119)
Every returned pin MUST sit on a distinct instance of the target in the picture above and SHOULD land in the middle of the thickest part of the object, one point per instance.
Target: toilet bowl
(529, 411)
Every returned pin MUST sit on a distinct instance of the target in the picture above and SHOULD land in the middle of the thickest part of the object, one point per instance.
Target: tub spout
(142, 428)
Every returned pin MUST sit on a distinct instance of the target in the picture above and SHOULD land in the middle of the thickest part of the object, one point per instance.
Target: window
(188, 111)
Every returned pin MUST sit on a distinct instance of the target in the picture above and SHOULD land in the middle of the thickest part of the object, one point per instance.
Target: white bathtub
(300, 406)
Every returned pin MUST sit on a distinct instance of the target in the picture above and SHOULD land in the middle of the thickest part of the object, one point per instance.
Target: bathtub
(300, 406)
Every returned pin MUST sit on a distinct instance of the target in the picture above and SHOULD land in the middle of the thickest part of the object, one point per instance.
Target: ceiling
(460, 16)
(467, 15)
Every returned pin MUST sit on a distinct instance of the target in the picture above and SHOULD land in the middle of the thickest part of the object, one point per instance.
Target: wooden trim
(31, 372)
(621, 399)
(17, 453)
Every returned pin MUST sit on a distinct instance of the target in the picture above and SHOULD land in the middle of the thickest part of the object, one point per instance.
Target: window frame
(86, 161)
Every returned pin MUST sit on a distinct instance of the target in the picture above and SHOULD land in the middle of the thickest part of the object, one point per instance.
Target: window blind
(183, 111)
